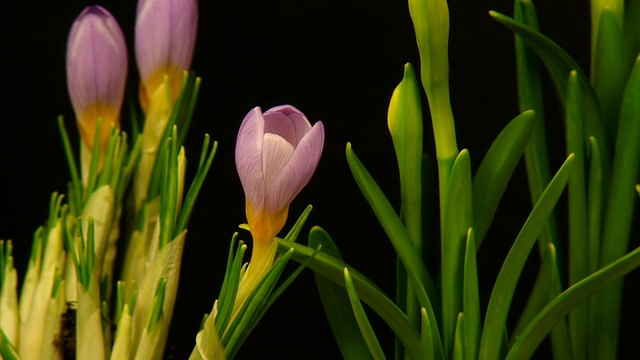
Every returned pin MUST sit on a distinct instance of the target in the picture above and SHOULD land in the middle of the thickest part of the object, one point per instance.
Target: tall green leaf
(333, 269)
(557, 309)
(609, 68)
(458, 217)
(536, 153)
(492, 177)
(361, 317)
(560, 64)
(620, 208)
(471, 300)
(578, 236)
(336, 304)
(502, 294)
(395, 230)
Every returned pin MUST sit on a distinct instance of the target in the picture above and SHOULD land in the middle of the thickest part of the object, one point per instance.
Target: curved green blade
(395, 230)
(361, 317)
(560, 64)
(557, 309)
(492, 177)
(502, 294)
(332, 269)
(336, 304)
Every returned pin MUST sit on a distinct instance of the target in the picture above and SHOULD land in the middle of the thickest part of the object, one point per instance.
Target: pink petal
(288, 122)
(298, 171)
(276, 153)
(248, 157)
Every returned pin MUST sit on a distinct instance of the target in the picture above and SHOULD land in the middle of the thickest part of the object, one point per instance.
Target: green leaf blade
(471, 300)
(458, 217)
(501, 296)
(492, 177)
(361, 317)
(336, 304)
(395, 230)
(539, 327)
(332, 268)
(560, 64)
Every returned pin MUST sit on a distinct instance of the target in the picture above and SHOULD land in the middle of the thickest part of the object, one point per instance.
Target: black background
(337, 61)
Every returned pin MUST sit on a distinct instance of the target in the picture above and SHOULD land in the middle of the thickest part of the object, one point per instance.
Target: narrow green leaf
(492, 177)
(186, 103)
(206, 159)
(168, 190)
(332, 269)
(426, 337)
(293, 234)
(288, 281)
(578, 236)
(418, 275)
(361, 317)
(458, 217)
(76, 182)
(530, 97)
(394, 229)
(610, 68)
(120, 300)
(533, 335)
(405, 298)
(619, 208)
(336, 303)
(471, 300)
(94, 164)
(229, 289)
(545, 289)
(502, 294)
(108, 157)
(158, 129)
(595, 206)
(253, 308)
(459, 350)
(540, 292)
(560, 336)
(156, 312)
(624, 173)
(560, 64)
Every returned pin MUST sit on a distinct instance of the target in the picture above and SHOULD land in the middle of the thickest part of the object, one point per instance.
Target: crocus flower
(164, 41)
(96, 72)
(276, 155)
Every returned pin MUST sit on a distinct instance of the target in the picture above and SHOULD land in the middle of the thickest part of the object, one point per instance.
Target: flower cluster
(71, 272)
(69, 282)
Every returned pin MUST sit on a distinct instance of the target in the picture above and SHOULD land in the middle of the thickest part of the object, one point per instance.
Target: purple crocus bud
(96, 72)
(276, 154)
(165, 36)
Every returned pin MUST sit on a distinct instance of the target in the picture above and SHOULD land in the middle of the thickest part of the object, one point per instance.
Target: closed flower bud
(164, 42)
(276, 154)
(96, 72)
